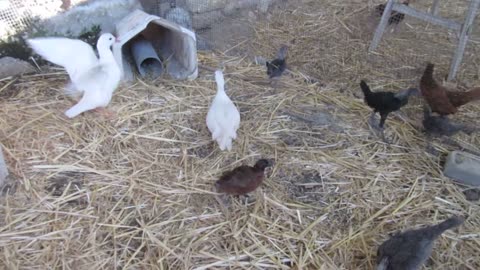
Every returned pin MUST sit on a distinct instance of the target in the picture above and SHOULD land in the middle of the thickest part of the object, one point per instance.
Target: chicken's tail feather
(447, 224)
(365, 89)
(428, 73)
(225, 142)
(473, 94)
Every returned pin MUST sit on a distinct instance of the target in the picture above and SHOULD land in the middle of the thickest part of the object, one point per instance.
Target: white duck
(223, 118)
(96, 78)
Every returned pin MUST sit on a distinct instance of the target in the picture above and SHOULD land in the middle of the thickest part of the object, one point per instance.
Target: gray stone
(463, 167)
(233, 6)
(3, 169)
(205, 20)
(105, 13)
(203, 45)
(472, 195)
(179, 16)
(151, 6)
(196, 6)
(263, 5)
(10, 67)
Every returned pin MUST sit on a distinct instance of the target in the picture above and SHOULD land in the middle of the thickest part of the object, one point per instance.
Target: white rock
(105, 13)
(263, 5)
(233, 6)
(196, 6)
(463, 167)
(10, 66)
(206, 19)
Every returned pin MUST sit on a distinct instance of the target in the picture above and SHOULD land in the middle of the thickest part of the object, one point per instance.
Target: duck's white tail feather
(225, 142)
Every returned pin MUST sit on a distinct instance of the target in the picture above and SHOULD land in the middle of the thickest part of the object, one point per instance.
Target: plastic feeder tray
(463, 167)
(174, 44)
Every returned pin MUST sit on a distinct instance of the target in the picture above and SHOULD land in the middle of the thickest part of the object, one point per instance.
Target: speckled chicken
(385, 102)
(243, 179)
(276, 67)
(410, 249)
(442, 126)
(442, 100)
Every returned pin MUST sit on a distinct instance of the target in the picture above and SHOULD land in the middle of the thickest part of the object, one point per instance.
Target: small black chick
(276, 67)
(442, 126)
(410, 249)
(385, 102)
(395, 17)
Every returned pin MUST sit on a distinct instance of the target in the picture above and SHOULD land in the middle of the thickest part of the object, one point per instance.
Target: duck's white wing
(99, 85)
(74, 55)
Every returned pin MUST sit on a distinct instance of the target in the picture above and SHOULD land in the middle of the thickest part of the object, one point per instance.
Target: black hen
(395, 17)
(276, 67)
(410, 249)
(385, 102)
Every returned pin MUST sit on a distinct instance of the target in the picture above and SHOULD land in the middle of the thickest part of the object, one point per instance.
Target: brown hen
(243, 179)
(461, 98)
(435, 94)
(442, 100)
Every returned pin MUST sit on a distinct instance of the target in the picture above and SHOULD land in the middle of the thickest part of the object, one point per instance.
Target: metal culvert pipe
(146, 58)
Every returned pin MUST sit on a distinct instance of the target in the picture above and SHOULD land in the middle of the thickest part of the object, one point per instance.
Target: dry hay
(134, 192)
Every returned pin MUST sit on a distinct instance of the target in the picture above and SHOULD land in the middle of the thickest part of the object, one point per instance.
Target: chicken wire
(18, 15)
(217, 25)
(413, 42)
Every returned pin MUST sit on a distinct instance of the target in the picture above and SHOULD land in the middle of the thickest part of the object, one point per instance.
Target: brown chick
(243, 179)
(461, 98)
(435, 94)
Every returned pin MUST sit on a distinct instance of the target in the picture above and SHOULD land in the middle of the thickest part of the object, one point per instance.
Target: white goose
(223, 118)
(96, 78)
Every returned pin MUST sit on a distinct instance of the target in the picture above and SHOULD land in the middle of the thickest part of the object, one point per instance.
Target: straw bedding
(135, 191)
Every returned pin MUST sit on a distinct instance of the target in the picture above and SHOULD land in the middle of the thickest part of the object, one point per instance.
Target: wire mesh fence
(229, 26)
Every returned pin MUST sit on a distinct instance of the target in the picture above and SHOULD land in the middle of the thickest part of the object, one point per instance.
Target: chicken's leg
(105, 112)
(274, 83)
(383, 118)
(371, 121)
